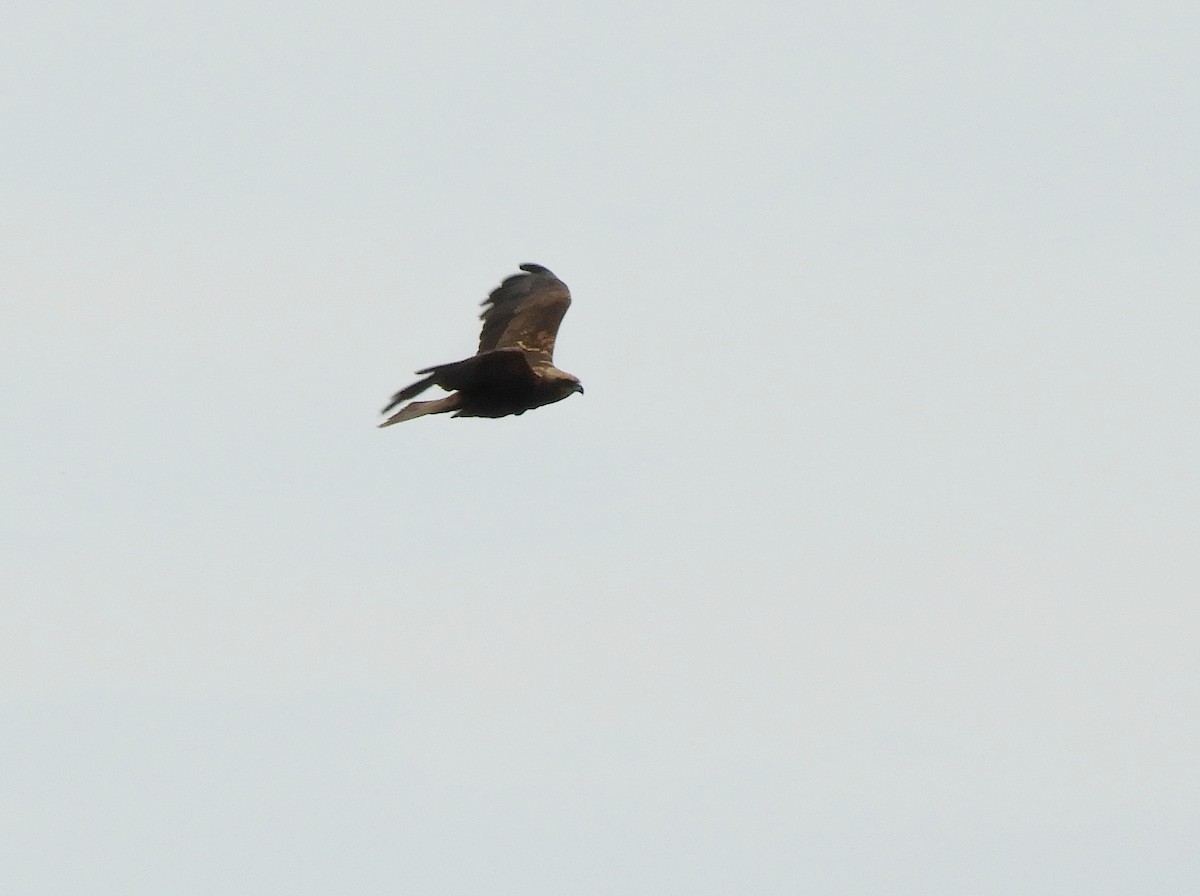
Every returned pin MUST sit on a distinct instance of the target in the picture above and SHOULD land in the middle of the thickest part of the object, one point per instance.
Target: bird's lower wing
(487, 367)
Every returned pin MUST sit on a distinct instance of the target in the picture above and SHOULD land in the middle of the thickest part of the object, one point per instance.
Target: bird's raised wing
(524, 312)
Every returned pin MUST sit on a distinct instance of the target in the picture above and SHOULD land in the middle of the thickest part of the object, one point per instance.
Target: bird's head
(565, 385)
(572, 385)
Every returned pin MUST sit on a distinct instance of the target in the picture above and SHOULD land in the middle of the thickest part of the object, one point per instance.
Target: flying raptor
(513, 371)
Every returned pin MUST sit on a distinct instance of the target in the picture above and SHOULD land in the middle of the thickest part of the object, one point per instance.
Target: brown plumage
(513, 371)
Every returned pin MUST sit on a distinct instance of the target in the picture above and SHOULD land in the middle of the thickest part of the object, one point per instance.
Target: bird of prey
(513, 371)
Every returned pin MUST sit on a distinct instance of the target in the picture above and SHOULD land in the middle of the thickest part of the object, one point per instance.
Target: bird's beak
(579, 388)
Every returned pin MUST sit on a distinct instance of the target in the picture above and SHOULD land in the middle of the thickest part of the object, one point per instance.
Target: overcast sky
(866, 565)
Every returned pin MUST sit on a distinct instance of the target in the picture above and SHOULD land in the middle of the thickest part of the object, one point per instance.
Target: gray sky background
(866, 565)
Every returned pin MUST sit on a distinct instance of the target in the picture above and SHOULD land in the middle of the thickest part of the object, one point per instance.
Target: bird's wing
(506, 365)
(524, 312)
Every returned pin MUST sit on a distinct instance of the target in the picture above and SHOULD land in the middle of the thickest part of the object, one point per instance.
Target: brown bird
(513, 371)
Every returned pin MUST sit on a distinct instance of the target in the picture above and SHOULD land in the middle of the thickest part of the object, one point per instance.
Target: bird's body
(513, 371)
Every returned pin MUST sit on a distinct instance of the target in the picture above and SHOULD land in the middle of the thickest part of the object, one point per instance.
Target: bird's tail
(410, 391)
(421, 408)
